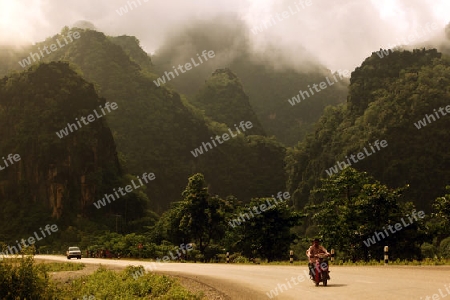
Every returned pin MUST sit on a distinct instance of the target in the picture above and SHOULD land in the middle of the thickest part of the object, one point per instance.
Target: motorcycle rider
(312, 251)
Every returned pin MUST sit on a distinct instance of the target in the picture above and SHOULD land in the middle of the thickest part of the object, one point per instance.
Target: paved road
(250, 282)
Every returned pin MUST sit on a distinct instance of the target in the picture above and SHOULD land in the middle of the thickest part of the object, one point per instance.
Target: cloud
(342, 33)
(339, 33)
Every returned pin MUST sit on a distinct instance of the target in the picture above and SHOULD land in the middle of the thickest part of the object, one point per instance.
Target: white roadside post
(386, 256)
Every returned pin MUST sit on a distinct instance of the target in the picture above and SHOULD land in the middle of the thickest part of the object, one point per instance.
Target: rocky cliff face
(155, 129)
(62, 167)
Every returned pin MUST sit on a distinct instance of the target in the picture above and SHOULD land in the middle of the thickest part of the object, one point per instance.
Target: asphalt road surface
(250, 282)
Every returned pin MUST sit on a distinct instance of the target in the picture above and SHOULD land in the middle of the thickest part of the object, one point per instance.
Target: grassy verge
(131, 283)
(398, 262)
(60, 267)
(338, 262)
(22, 278)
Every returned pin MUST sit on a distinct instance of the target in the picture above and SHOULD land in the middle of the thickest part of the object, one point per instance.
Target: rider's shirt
(314, 251)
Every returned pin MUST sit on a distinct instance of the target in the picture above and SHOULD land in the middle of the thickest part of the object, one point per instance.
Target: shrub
(240, 260)
(445, 248)
(20, 278)
(428, 250)
(132, 283)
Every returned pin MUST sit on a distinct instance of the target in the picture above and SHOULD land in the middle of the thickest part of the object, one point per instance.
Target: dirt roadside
(192, 285)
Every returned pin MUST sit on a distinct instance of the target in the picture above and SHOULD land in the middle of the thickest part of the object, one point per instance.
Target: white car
(73, 252)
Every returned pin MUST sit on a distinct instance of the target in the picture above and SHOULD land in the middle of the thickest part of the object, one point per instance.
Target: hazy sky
(340, 33)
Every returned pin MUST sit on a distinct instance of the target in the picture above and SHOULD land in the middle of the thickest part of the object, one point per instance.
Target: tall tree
(351, 206)
(441, 211)
(198, 217)
(195, 210)
(266, 229)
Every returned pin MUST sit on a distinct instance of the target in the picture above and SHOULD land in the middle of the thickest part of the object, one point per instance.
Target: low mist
(338, 34)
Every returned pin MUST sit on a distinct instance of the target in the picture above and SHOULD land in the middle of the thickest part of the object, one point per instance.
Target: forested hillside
(223, 99)
(387, 98)
(216, 151)
(156, 130)
(268, 80)
(57, 178)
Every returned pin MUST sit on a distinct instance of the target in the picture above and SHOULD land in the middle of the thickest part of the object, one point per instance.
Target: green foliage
(428, 250)
(245, 167)
(147, 115)
(131, 283)
(223, 99)
(194, 220)
(59, 267)
(382, 72)
(20, 278)
(441, 207)
(198, 218)
(238, 259)
(128, 245)
(351, 206)
(266, 234)
(386, 97)
(131, 46)
(68, 173)
(268, 88)
(203, 219)
(445, 248)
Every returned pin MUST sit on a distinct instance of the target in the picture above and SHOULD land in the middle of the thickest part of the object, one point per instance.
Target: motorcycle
(320, 271)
